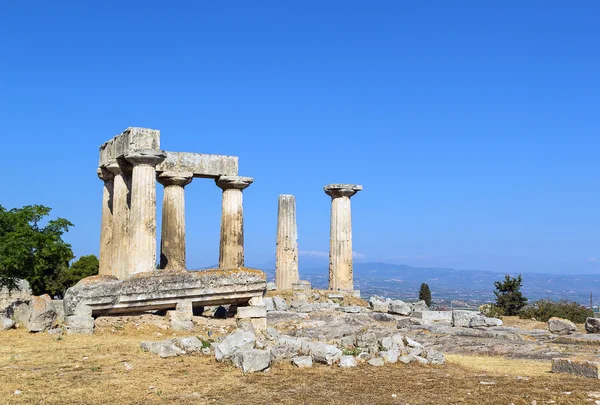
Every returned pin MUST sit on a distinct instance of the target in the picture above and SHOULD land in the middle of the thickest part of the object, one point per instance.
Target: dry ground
(91, 370)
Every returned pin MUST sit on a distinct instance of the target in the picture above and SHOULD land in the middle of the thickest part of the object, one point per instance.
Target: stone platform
(163, 290)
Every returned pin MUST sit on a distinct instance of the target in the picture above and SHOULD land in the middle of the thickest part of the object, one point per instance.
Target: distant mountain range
(402, 281)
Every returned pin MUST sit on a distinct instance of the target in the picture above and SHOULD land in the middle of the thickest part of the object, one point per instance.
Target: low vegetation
(543, 310)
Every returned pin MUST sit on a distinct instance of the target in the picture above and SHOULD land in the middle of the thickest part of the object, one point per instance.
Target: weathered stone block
(348, 362)
(592, 325)
(79, 325)
(233, 342)
(461, 318)
(433, 316)
(200, 164)
(252, 360)
(42, 314)
(399, 307)
(259, 324)
(580, 367)
(302, 361)
(251, 312)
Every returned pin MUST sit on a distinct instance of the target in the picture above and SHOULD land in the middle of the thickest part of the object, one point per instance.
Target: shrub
(491, 310)
(543, 310)
(508, 295)
(425, 294)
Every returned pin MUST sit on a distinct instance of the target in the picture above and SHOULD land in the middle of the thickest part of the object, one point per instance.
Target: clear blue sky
(473, 125)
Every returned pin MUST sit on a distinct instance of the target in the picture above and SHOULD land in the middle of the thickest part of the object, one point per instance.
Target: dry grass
(91, 370)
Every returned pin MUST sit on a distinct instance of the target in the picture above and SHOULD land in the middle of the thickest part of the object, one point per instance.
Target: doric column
(231, 251)
(172, 245)
(120, 219)
(106, 225)
(142, 256)
(340, 248)
(286, 260)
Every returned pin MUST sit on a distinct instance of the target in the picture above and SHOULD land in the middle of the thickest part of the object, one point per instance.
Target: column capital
(104, 174)
(342, 190)
(150, 157)
(235, 182)
(172, 178)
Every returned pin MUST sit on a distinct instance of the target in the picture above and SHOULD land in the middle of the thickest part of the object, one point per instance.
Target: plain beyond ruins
(128, 281)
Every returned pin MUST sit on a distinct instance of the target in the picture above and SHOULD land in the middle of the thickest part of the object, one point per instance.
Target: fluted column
(340, 248)
(142, 256)
(172, 245)
(286, 260)
(120, 219)
(106, 224)
(231, 250)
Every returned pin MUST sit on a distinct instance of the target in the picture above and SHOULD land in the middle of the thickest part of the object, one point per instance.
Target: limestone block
(461, 318)
(367, 339)
(280, 304)
(324, 353)
(352, 309)
(233, 342)
(421, 360)
(271, 286)
(302, 361)
(259, 324)
(580, 367)
(400, 308)
(406, 359)
(419, 306)
(256, 301)
(200, 164)
(376, 362)
(6, 323)
(390, 356)
(42, 314)
(165, 348)
(20, 294)
(435, 357)
(252, 360)
(285, 347)
(379, 304)
(190, 345)
(257, 311)
(79, 325)
(433, 316)
(348, 362)
(592, 325)
(269, 304)
(131, 140)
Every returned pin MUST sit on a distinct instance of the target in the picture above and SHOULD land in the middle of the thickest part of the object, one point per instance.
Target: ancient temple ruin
(130, 166)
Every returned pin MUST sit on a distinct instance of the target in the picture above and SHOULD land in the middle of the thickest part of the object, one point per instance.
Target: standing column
(172, 245)
(142, 237)
(120, 219)
(286, 260)
(340, 248)
(231, 251)
(106, 226)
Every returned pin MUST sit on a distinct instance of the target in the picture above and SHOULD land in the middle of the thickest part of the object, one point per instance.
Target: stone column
(106, 225)
(172, 245)
(120, 219)
(286, 260)
(142, 256)
(231, 251)
(340, 248)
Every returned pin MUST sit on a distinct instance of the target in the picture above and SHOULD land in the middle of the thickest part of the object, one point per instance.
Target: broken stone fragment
(302, 361)
(233, 342)
(348, 362)
(252, 360)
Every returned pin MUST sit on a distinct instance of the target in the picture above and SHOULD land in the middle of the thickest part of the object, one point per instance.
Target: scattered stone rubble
(561, 326)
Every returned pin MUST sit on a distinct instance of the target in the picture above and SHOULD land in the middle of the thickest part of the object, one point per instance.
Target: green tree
(83, 267)
(31, 251)
(509, 298)
(425, 294)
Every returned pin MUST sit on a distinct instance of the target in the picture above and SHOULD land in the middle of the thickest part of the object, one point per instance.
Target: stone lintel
(131, 140)
(236, 182)
(342, 190)
(164, 290)
(200, 164)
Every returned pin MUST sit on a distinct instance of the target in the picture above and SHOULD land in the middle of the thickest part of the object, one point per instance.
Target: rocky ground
(356, 352)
